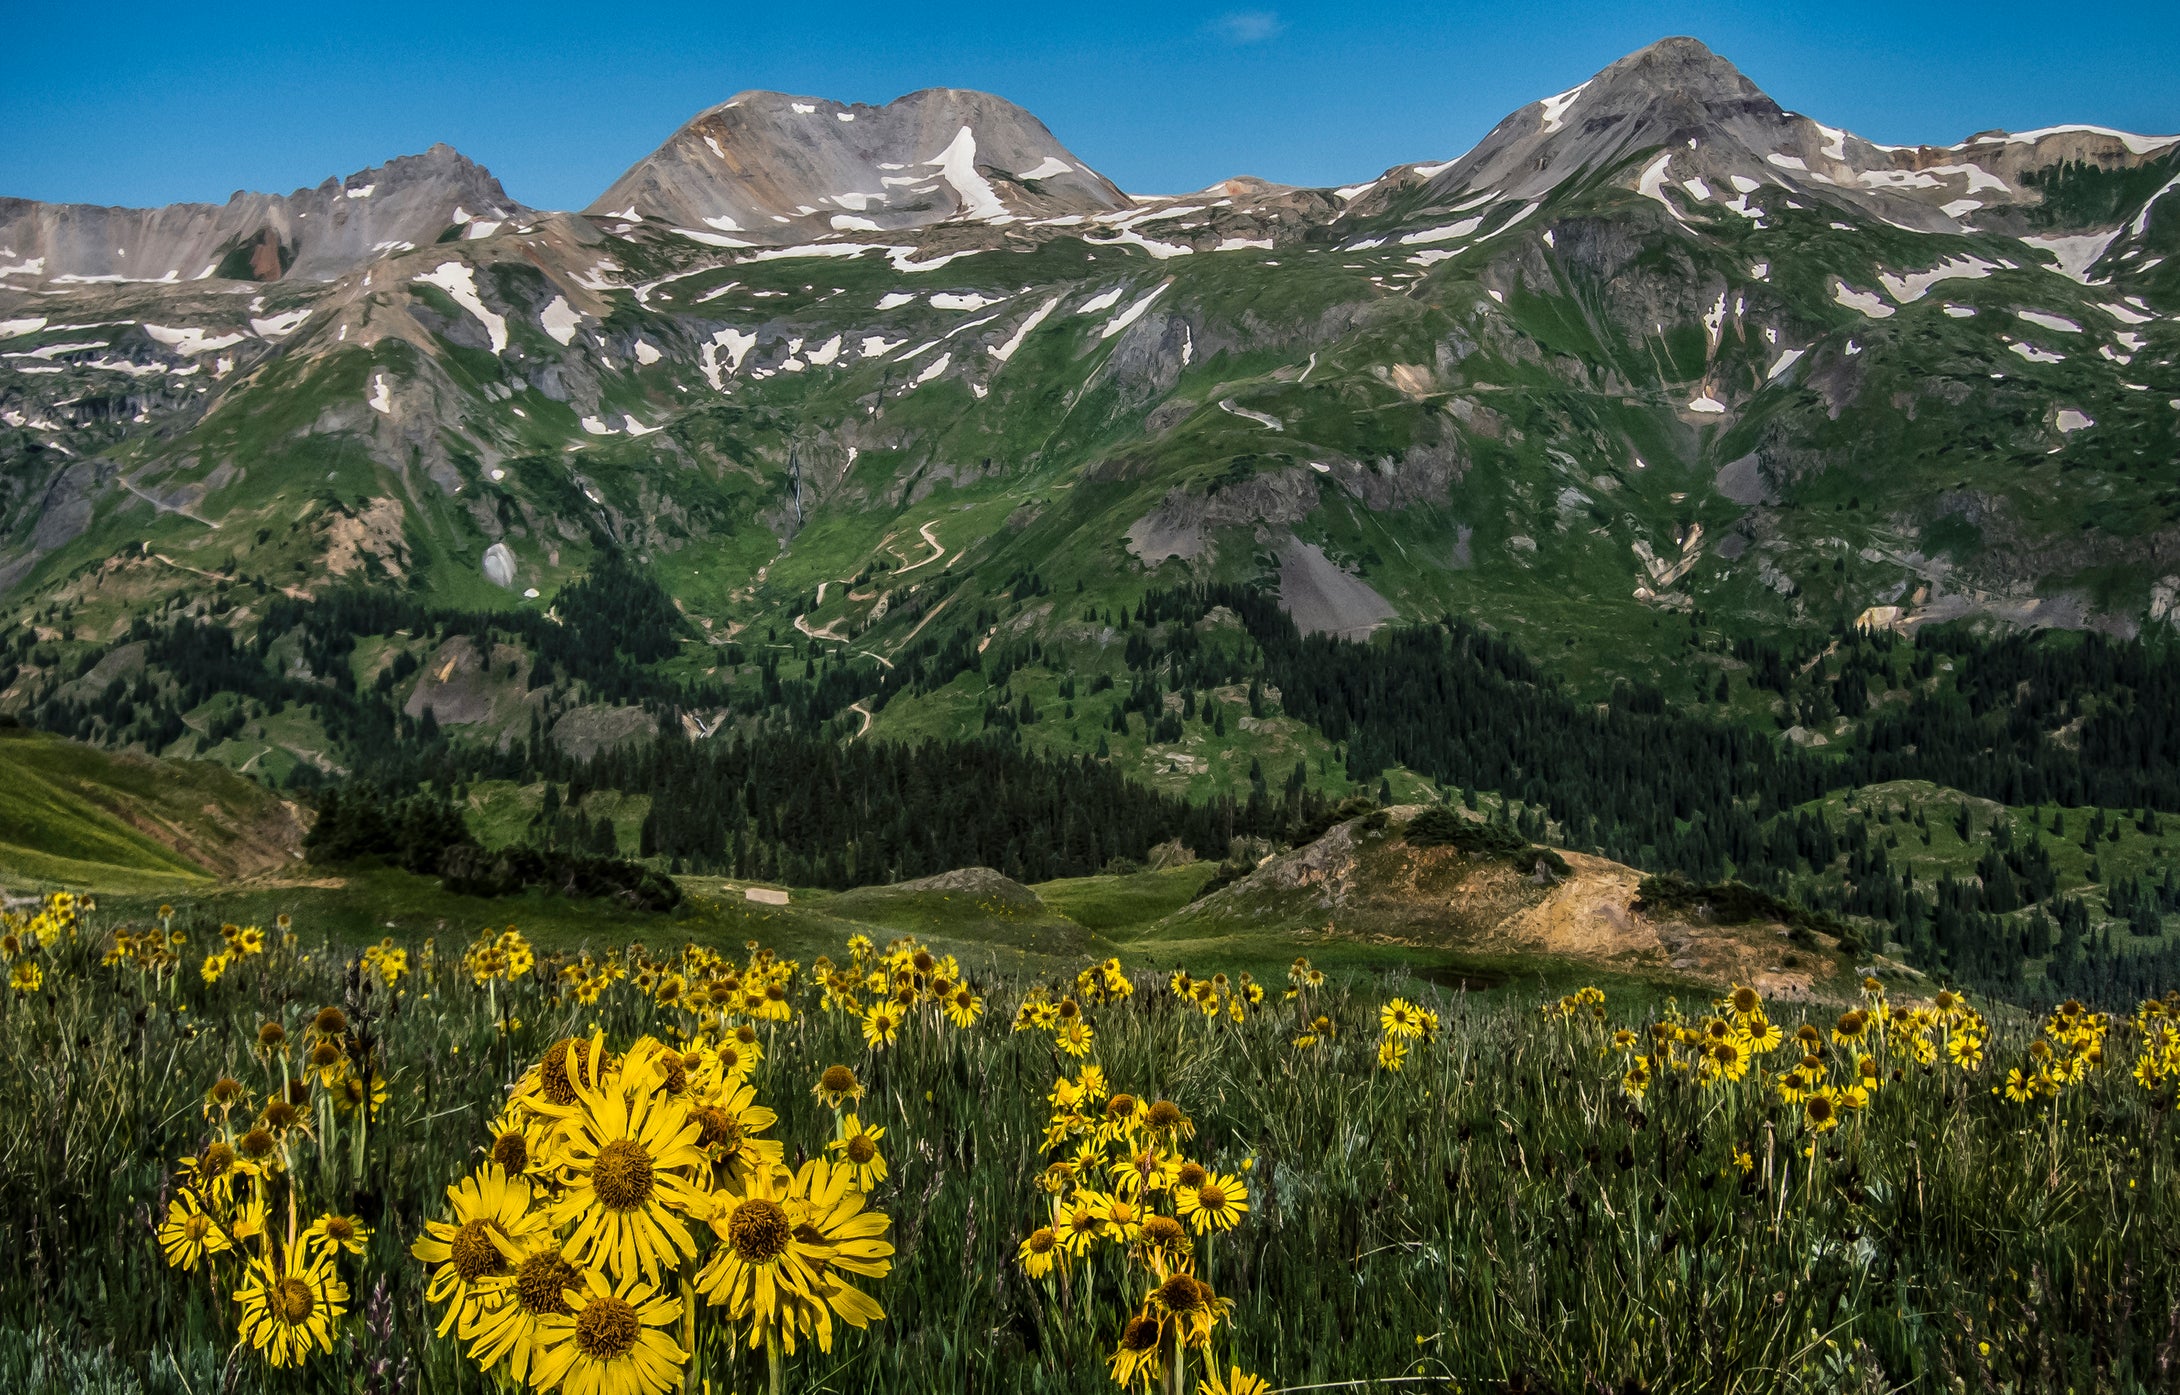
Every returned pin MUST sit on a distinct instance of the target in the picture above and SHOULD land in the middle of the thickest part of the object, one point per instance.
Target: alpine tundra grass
(247, 1161)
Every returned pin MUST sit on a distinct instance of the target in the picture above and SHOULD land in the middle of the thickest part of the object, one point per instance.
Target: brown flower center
(861, 1150)
(475, 1256)
(217, 1159)
(339, 1229)
(1041, 1240)
(542, 1281)
(622, 1176)
(607, 1328)
(1191, 1175)
(1164, 1114)
(1182, 1294)
(837, 1080)
(511, 1151)
(1163, 1230)
(1141, 1333)
(1212, 1196)
(257, 1143)
(196, 1227)
(759, 1231)
(330, 1022)
(554, 1070)
(718, 1127)
(292, 1300)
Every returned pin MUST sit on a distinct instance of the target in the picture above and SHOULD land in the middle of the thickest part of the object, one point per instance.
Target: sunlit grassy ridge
(1527, 1202)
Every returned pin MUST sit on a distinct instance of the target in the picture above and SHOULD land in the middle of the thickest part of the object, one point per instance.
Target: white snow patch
(1351, 192)
(1237, 244)
(360, 192)
(1554, 109)
(957, 164)
(894, 300)
(560, 320)
(1444, 234)
(1788, 162)
(878, 346)
(192, 341)
(2070, 421)
(1037, 317)
(1104, 300)
(480, 229)
(596, 427)
(1046, 169)
(1916, 284)
(736, 343)
(845, 222)
(1696, 188)
(1835, 141)
(1130, 315)
(1960, 312)
(2126, 315)
(721, 221)
(1960, 208)
(933, 369)
(2036, 355)
(2075, 254)
(460, 283)
(825, 353)
(802, 108)
(1869, 303)
(278, 326)
(947, 300)
(1786, 359)
(10, 329)
(646, 355)
(2053, 322)
(1760, 272)
(635, 427)
(1652, 184)
(382, 395)
(1707, 404)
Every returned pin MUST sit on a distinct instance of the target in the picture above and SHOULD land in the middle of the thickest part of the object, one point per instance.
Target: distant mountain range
(1656, 354)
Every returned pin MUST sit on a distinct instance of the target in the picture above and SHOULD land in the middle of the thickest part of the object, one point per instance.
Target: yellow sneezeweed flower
(290, 1303)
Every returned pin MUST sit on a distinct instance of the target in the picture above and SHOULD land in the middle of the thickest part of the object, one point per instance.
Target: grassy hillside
(76, 815)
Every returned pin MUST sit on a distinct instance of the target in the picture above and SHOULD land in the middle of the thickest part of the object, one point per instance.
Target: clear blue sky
(123, 102)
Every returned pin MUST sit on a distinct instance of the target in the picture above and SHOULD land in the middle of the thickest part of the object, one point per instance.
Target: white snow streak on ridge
(2056, 322)
(1444, 234)
(937, 366)
(1105, 301)
(1130, 315)
(957, 163)
(277, 326)
(947, 300)
(2138, 145)
(191, 340)
(1006, 351)
(9, 329)
(1652, 184)
(1555, 108)
(459, 282)
(2076, 254)
(560, 320)
(1047, 168)
(2142, 219)
(1916, 284)
(2036, 355)
(1787, 359)
(382, 395)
